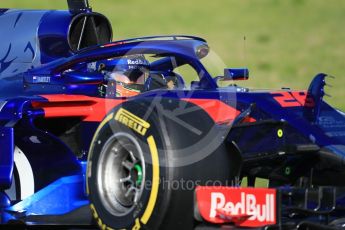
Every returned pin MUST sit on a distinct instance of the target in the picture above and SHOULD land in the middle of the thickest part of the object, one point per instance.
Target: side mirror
(234, 74)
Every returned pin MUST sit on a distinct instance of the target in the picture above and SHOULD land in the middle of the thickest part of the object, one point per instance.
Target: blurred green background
(284, 43)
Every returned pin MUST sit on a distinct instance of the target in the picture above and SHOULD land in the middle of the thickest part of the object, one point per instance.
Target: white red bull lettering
(246, 207)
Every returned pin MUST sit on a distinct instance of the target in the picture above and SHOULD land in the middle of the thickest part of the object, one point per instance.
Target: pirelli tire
(136, 140)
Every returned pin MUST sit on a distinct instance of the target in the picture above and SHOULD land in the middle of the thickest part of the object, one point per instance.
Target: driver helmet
(128, 72)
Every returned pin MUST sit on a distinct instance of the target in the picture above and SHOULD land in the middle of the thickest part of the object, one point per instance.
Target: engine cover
(34, 37)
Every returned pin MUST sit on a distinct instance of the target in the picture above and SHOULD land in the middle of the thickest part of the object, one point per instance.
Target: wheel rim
(121, 174)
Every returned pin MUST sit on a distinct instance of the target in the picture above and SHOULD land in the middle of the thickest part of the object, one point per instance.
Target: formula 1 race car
(141, 134)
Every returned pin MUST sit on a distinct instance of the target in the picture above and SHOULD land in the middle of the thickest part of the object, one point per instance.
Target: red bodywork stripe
(90, 108)
(219, 111)
(95, 109)
(113, 44)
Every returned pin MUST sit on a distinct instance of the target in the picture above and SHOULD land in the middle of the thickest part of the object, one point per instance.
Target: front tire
(133, 179)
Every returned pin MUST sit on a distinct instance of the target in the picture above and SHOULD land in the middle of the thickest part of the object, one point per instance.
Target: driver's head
(129, 72)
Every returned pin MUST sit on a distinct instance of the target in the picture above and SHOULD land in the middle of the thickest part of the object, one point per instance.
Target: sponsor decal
(133, 122)
(98, 219)
(136, 62)
(41, 79)
(245, 207)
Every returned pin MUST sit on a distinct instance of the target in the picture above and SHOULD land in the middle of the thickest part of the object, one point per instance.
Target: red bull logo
(246, 207)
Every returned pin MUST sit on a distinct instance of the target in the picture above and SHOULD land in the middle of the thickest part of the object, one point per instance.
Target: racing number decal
(293, 99)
